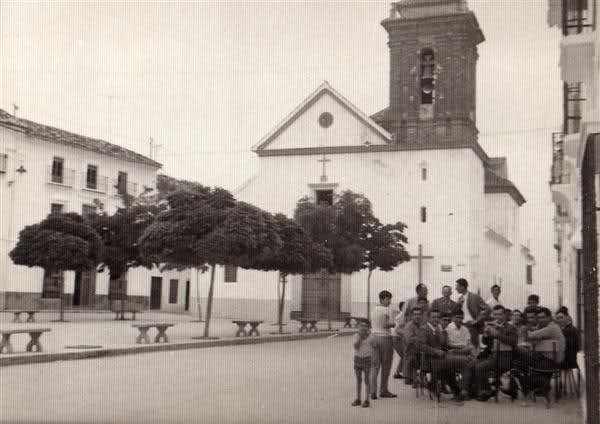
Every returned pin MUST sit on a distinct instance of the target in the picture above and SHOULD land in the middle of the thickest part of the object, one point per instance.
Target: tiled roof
(494, 183)
(55, 135)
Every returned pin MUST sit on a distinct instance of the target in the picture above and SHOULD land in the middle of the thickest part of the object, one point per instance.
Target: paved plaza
(307, 381)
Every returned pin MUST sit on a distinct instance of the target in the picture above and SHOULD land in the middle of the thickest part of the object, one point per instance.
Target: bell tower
(433, 59)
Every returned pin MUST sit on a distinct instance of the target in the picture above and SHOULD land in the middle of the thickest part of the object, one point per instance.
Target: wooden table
(34, 333)
(160, 326)
(242, 323)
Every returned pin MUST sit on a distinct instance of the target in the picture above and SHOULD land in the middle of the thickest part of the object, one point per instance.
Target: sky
(207, 80)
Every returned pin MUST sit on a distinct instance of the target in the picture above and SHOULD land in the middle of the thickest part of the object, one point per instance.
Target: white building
(575, 181)
(45, 169)
(418, 161)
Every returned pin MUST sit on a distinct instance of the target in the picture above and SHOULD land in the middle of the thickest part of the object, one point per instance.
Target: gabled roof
(496, 184)
(56, 135)
(308, 102)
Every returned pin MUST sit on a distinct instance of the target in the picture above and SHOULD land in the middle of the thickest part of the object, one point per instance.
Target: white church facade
(418, 161)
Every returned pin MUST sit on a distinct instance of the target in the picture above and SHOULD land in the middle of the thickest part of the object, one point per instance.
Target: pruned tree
(177, 237)
(298, 254)
(120, 233)
(384, 250)
(61, 242)
(340, 228)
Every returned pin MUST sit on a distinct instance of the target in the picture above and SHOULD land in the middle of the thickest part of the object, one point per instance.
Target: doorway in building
(85, 288)
(155, 292)
(187, 295)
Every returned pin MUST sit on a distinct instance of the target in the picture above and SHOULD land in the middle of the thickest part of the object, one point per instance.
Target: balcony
(66, 178)
(100, 185)
(128, 188)
(577, 16)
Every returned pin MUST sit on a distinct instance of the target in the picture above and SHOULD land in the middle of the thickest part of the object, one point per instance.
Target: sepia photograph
(299, 211)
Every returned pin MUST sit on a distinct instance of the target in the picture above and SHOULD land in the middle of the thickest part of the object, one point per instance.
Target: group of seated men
(439, 338)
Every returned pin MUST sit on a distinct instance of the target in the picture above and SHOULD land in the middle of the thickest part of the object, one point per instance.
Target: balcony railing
(129, 188)
(559, 172)
(572, 106)
(577, 16)
(65, 178)
(99, 185)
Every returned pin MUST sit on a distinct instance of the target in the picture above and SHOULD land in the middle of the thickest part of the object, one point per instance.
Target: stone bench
(17, 314)
(242, 323)
(160, 326)
(122, 313)
(307, 324)
(34, 333)
(348, 321)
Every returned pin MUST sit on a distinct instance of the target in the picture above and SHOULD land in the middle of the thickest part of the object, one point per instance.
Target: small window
(88, 210)
(529, 274)
(423, 174)
(58, 165)
(423, 214)
(3, 162)
(122, 183)
(324, 197)
(56, 208)
(230, 274)
(173, 286)
(91, 180)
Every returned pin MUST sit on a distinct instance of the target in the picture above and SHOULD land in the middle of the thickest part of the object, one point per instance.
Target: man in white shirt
(384, 347)
(495, 299)
(471, 304)
(459, 337)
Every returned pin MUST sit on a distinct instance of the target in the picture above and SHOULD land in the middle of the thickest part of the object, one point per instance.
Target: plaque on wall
(446, 268)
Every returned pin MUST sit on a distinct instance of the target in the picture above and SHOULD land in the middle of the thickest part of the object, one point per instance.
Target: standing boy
(384, 348)
(363, 358)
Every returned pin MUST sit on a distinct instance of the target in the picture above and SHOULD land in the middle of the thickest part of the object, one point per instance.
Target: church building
(418, 161)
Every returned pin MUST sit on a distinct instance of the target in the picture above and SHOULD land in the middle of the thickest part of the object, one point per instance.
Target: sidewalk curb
(36, 358)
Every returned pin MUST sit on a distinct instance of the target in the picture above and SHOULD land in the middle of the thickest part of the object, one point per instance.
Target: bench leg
(30, 317)
(303, 328)
(254, 330)
(161, 334)
(241, 330)
(313, 326)
(34, 342)
(5, 343)
(143, 335)
(17, 317)
(348, 323)
(116, 316)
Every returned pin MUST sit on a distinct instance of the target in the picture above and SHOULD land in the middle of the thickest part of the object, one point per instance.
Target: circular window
(326, 119)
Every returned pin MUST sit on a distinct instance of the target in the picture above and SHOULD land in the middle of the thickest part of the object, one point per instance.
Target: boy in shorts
(363, 359)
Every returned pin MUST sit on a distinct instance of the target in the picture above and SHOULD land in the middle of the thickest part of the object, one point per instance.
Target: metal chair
(553, 374)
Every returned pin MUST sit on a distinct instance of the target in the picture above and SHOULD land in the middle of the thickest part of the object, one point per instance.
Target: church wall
(345, 129)
(392, 181)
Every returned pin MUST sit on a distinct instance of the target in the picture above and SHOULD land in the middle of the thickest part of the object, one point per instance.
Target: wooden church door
(320, 291)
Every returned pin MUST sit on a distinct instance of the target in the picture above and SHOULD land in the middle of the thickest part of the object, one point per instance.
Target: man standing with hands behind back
(471, 304)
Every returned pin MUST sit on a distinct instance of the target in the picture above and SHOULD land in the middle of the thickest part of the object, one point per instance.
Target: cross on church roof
(324, 161)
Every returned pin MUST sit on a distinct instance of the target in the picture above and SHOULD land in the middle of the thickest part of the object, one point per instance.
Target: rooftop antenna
(15, 108)
(153, 148)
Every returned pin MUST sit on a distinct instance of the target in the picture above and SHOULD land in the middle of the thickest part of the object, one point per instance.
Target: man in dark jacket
(504, 339)
(431, 341)
(572, 340)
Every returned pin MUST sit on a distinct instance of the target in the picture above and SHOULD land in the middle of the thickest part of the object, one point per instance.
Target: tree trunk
(328, 304)
(124, 296)
(210, 299)
(281, 303)
(198, 295)
(369, 294)
(62, 299)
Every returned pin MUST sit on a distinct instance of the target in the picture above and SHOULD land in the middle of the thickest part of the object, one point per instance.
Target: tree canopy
(61, 242)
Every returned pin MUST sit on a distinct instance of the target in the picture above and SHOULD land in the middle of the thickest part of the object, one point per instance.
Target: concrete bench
(30, 315)
(122, 313)
(160, 326)
(348, 321)
(242, 323)
(34, 333)
(308, 324)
